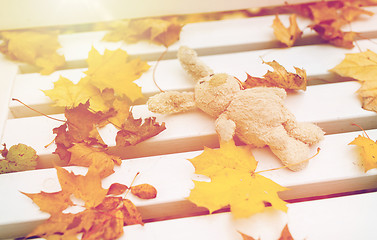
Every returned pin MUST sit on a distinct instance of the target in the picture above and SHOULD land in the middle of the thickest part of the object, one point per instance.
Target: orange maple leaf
(279, 78)
(97, 158)
(330, 17)
(289, 35)
(285, 235)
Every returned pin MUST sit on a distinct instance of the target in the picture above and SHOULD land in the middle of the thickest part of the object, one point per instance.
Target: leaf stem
(155, 67)
(289, 165)
(15, 99)
(361, 129)
(129, 189)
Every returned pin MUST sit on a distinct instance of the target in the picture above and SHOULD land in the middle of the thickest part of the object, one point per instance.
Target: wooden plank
(336, 169)
(191, 130)
(214, 37)
(38, 13)
(170, 75)
(347, 218)
(8, 72)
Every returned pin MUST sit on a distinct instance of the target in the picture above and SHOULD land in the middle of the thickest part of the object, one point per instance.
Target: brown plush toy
(256, 115)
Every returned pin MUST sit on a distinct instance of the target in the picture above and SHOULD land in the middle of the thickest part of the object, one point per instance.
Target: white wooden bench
(338, 199)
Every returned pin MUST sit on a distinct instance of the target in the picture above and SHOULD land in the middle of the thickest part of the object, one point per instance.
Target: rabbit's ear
(192, 64)
(171, 102)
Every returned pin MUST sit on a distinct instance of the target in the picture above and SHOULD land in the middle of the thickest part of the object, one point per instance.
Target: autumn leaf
(363, 67)
(289, 35)
(83, 155)
(144, 191)
(233, 182)
(131, 214)
(19, 157)
(332, 33)
(60, 199)
(135, 130)
(368, 151)
(88, 187)
(158, 31)
(67, 94)
(117, 189)
(330, 17)
(34, 47)
(360, 66)
(115, 70)
(279, 78)
(285, 235)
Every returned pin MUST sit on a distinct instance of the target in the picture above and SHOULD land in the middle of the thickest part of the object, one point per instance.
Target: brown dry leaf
(144, 191)
(286, 234)
(158, 31)
(57, 223)
(135, 130)
(246, 237)
(329, 18)
(84, 155)
(34, 47)
(130, 213)
(117, 189)
(289, 35)
(334, 35)
(279, 78)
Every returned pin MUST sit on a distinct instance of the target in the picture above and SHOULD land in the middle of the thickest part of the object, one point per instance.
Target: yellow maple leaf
(159, 31)
(233, 182)
(368, 151)
(114, 70)
(363, 67)
(67, 94)
(360, 66)
(34, 47)
(289, 35)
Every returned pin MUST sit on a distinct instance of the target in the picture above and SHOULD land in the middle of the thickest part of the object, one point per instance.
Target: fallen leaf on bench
(144, 191)
(115, 70)
(285, 235)
(330, 17)
(33, 47)
(102, 218)
(363, 67)
(83, 155)
(233, 182)
(368, 151)
(289, 35)
(134, 131)
(19, 157)
(279, 78)
(158, 31)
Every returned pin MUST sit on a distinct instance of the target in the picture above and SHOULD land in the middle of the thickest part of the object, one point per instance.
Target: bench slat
(330, 172)
(170, 75)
